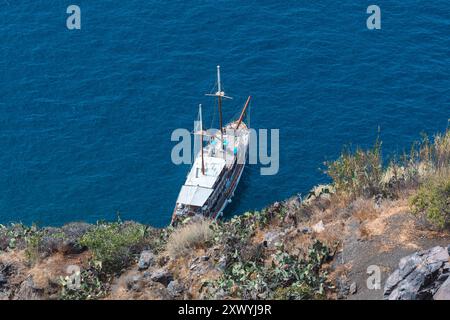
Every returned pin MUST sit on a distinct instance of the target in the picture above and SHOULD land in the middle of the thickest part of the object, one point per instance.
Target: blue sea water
(86, 115)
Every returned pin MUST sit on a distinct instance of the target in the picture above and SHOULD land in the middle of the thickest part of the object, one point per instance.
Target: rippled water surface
(86, 115)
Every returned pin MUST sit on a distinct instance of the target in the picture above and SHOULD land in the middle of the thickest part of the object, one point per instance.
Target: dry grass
(188, 237)
(364, 209)
(18, 260)
(49, 270)
(333, 234)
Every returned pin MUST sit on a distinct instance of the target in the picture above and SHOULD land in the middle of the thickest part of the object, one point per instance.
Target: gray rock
(419, 275)
(27, 291)
(305, 230)
(271, 239)
(6, 270)
(222, 263)
(147, 274)
(444, 291)
(162, 276)
(175, 288)
(134, 282)
(342, 288)
(446, 267)
(3, 280)
(220, 294)
(146, 259)
(436, 255)
(392, 282)
(353, 288)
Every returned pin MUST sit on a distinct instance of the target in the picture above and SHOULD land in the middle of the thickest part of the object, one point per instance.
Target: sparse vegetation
(33, 241)
(113, 244)
(240, 228)
(357, 174)
(189, 236)
(425, 168)
(432, 200)
(431, 162)
(14, 236)
(288, 276)
(90, 286)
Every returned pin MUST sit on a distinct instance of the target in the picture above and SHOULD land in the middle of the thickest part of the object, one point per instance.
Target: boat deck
(232, 143)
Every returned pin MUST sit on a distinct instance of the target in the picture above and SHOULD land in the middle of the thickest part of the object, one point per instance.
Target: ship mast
(243, 112)
(201, 137)
(220, 94)
(219, 101)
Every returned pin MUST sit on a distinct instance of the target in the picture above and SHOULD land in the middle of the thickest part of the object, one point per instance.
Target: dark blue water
(86, 115)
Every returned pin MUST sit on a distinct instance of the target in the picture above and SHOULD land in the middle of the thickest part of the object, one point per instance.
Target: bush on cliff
(357, 174)
(33, 244)
(432, 200)
(361, 173)
(113, 244)
(436, 153)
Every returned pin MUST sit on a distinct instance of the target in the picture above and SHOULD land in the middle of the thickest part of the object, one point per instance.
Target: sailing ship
(217, 167)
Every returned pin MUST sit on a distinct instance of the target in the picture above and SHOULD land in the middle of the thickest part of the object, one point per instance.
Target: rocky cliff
(374, 233)
(287, 251)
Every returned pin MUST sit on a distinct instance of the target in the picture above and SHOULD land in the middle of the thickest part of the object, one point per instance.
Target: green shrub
(113, 244)
(432, 200)
(357, 174)
(33, 243)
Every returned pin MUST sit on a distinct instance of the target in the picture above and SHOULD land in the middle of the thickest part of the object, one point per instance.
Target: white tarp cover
(194, 195)
(213, 168)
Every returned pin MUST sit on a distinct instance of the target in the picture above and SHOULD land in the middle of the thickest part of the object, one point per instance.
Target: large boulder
(146, 259)
(272, 238)
(444, 291)
(175, 288)
(419, 276)
(3, 280)
(162, 276)
(134, 282)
